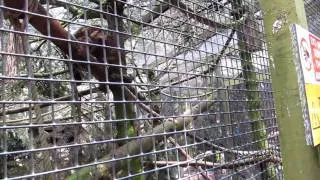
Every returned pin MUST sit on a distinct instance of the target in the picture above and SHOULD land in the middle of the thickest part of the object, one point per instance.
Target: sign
(313, 101)
(308, 46)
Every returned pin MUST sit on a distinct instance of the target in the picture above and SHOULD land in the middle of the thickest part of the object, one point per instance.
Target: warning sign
(313, 101)
(309, 57)
(315, 51)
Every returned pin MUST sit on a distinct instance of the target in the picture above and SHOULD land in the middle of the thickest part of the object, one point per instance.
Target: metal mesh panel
(139, 89)
(312, 8)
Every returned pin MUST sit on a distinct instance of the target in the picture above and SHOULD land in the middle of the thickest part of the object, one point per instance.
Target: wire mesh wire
(312, 12)
(140, 89)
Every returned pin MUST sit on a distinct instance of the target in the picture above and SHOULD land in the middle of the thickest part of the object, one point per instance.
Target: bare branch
(190, 13)
(154, 13)
(188, 157)
(216, 62)
(45, 75)
(228, 165)
(145, 143)
(45, 103)
(221, 148)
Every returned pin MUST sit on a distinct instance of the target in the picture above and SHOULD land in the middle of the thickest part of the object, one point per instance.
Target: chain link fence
(139, 89)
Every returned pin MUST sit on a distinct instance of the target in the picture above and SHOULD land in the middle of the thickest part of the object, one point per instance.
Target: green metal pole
(299, 160)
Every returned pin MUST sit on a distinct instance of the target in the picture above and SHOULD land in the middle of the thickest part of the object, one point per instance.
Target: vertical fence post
(299, 160)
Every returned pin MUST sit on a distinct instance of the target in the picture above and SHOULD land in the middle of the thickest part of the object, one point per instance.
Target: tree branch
(188, 157)
(45, 75)
(45, 104)
(221, 148)
(190, 13)
(145, 143)
(216, 62)
(228, 165)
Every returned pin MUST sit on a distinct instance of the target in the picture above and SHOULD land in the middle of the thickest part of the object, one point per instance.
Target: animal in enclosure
(104, 49)
(192, 111)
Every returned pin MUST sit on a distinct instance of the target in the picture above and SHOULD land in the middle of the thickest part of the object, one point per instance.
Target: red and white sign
(315, 51)
(309, 49)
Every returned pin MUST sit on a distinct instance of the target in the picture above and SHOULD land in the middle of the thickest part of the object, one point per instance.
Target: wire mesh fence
(140, 89)
(312, 12)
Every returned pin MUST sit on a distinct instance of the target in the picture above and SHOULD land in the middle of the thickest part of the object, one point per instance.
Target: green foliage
(135, 29)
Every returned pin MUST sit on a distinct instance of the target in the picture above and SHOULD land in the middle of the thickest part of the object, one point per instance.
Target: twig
(154, 14)
(189, 97)
(145, 144)
(221, 148)
(188, 157)
(43, 75)
(48, 121)
(190, 13)
(228, 165)
(27, 119)
(64, 98)
(217, 61)
(131, 96)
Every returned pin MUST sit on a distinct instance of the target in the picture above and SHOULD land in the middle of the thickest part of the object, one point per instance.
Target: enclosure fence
(139, 89)
(312, 8)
